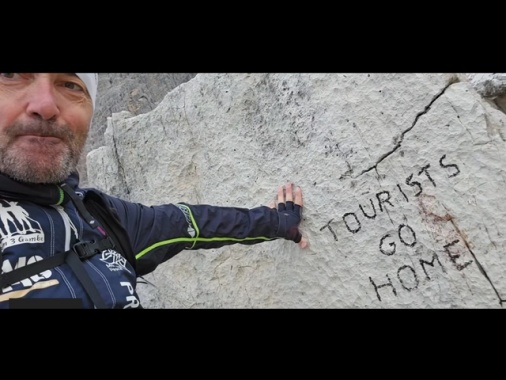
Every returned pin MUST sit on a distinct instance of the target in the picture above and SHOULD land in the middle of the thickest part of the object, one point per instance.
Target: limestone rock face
(136, 92)
(403, 177)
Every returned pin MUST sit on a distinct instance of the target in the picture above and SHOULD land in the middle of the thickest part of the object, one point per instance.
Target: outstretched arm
(160, 232)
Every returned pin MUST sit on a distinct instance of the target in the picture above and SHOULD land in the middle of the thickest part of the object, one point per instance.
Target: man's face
(44, 122)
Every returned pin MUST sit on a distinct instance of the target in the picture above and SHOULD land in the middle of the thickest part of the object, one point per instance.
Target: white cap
(91, 82)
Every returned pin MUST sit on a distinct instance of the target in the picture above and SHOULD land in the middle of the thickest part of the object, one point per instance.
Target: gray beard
(54, 169)
(25, 171)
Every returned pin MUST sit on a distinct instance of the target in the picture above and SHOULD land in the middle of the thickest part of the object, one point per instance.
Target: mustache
(40, 128)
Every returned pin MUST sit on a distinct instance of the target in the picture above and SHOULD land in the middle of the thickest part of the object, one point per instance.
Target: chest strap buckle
(86, 249)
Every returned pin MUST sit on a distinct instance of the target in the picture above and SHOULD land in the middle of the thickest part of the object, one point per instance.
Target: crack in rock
(401, 139)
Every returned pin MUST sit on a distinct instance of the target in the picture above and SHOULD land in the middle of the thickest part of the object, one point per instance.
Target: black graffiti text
(383, 200)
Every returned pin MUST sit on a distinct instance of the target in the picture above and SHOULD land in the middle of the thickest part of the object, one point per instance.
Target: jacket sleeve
(158, 233)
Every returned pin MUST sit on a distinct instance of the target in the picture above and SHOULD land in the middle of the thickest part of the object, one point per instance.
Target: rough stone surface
(403, 178)
(492, 86)
(136, 92)
(489, 85)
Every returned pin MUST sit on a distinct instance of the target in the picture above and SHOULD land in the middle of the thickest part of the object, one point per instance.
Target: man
(53, 247)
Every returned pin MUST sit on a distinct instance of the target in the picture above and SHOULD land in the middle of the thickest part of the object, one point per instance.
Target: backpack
(96, 210)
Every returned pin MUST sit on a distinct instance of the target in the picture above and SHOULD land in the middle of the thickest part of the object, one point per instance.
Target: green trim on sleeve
(192, 224)
(198, 240)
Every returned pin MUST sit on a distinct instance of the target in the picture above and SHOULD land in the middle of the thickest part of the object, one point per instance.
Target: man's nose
(42, 100)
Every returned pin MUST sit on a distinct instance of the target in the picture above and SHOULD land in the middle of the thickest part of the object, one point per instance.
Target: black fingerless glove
(289, 219)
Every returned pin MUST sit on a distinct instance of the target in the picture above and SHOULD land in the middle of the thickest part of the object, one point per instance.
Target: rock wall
(135, 92)
(403, 177)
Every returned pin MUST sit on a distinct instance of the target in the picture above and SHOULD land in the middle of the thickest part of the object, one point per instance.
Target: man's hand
(290, 214)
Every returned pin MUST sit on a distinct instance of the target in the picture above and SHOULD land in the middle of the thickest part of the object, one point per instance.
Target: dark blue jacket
(30, 232)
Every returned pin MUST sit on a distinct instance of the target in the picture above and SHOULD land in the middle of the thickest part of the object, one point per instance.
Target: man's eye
(8, 75)
(74, 86)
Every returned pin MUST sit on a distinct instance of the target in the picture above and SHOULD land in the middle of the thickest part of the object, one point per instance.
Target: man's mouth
(41, 139)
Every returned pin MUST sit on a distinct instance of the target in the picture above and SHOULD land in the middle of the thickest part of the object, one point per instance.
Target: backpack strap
(98, 214)
(74, 258)
(26, 271)
(82, 249)
(96, 203)
(78, 267)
